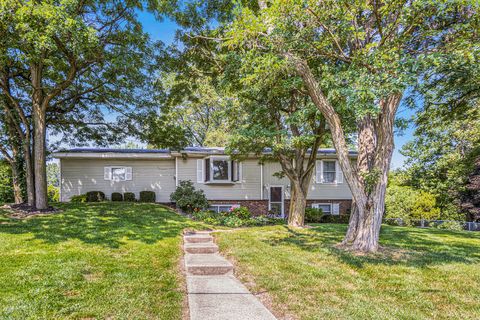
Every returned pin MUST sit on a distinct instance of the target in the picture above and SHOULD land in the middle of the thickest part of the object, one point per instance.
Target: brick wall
(260, 207)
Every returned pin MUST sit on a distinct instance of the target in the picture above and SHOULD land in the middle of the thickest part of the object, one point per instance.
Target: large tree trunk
(298, 203)
(17, 181)
(39, 139)
(367, 182)
(39, 154)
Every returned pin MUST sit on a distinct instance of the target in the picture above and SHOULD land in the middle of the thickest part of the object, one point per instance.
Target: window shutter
(336, 208)
(315, 206)
(107, 173)
(339, 172)
(200, 164)
(236, 171)
(128, 173)
(319, 172)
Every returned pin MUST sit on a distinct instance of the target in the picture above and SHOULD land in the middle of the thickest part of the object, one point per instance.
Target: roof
(154, 153)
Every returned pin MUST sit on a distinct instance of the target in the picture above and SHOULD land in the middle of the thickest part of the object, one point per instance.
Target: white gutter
(176, 171)
(110, 155)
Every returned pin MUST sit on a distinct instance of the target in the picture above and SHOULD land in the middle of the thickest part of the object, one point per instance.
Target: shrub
(95, 196)
(129, 196)
(328, 218)
(242, 213)
(117, 196)
(410, 204)
(79, 198)
(53, 193)
(258, 221)
(188, 199)
(147, 196)
(450, 225)
(202, 215)
(232, 222)
(313, 215)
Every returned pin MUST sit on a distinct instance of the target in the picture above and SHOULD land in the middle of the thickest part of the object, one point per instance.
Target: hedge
(129, 196)
(147, 196)
(117, 196)
(95, 196)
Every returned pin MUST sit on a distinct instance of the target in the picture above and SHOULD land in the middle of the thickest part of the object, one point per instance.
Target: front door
(275, 203)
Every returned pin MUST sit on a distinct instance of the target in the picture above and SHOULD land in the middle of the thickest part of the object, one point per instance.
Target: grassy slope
(422, 274)
(92, 261)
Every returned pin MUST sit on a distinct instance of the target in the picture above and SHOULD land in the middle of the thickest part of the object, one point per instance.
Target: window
(221, 170)
(117, 173)
(329, 172)
(222, 207)
(218, 170)
(326, 207)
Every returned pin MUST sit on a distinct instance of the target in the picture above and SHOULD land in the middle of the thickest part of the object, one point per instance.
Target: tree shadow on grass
(399, 245)
(106, 224)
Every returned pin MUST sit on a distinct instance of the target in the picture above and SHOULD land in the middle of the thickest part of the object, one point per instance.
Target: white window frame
(335, 172)
(108, 173)
(218, 205)
(317, 206)
(282, 213)
(229, 169)
(319, 172)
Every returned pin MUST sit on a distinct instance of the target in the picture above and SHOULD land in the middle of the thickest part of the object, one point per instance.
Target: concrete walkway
(213, 291)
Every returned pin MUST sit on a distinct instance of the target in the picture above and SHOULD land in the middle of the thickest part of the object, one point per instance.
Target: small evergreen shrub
(328, 218)
(129, 196)
(313, 215)
(147, 196)
(79, 198)
(187, 198)
(117, 196)
(53, 193)
(95, 196)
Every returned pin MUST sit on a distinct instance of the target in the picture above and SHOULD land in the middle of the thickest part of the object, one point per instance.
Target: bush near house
(188, 199)
(313, 215)
(53, 193)
(95, 196)
(129, 196)
(147, 196)
(234, 218)
(117, 196)
(79, 198)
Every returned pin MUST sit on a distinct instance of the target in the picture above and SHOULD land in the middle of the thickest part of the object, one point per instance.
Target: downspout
(60, 180)
(176, 171)
(261, 181)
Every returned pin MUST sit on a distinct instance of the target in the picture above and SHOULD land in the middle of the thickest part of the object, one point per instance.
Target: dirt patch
(23, 210)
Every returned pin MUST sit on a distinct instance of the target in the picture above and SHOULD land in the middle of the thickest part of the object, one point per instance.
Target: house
(226, 183)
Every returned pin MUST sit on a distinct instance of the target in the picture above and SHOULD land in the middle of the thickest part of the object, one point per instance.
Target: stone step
(207, 264)
(198, 238)
(200, 247)
(221, 298)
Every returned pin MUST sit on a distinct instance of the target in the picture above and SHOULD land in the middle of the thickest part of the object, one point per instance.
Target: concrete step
(200, 247)
(198, 238)
(223, 298)
(207, 264)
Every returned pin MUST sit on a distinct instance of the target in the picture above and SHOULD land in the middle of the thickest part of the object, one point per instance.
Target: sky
(165, 32)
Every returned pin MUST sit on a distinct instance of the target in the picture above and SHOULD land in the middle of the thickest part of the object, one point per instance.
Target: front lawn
(92, 261)
(420, 274)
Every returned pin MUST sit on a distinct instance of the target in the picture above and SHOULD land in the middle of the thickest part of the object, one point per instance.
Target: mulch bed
(23, 210)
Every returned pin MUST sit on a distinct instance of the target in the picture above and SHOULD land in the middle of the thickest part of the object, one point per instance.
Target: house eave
(110, 155)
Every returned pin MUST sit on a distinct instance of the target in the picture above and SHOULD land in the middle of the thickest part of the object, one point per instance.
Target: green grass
(102, 261)
(420, 274)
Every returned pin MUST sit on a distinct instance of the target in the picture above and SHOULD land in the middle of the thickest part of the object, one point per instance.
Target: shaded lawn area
(421, 273)
(103, 261)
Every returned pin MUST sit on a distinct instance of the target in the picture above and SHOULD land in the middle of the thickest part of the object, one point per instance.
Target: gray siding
(82, 175)
(246, 189)
(318, 191)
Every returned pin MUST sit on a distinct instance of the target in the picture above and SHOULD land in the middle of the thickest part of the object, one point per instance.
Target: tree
(367, 52)
(63, 63)
(445, 148)
(191, 112)
(279, 117)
